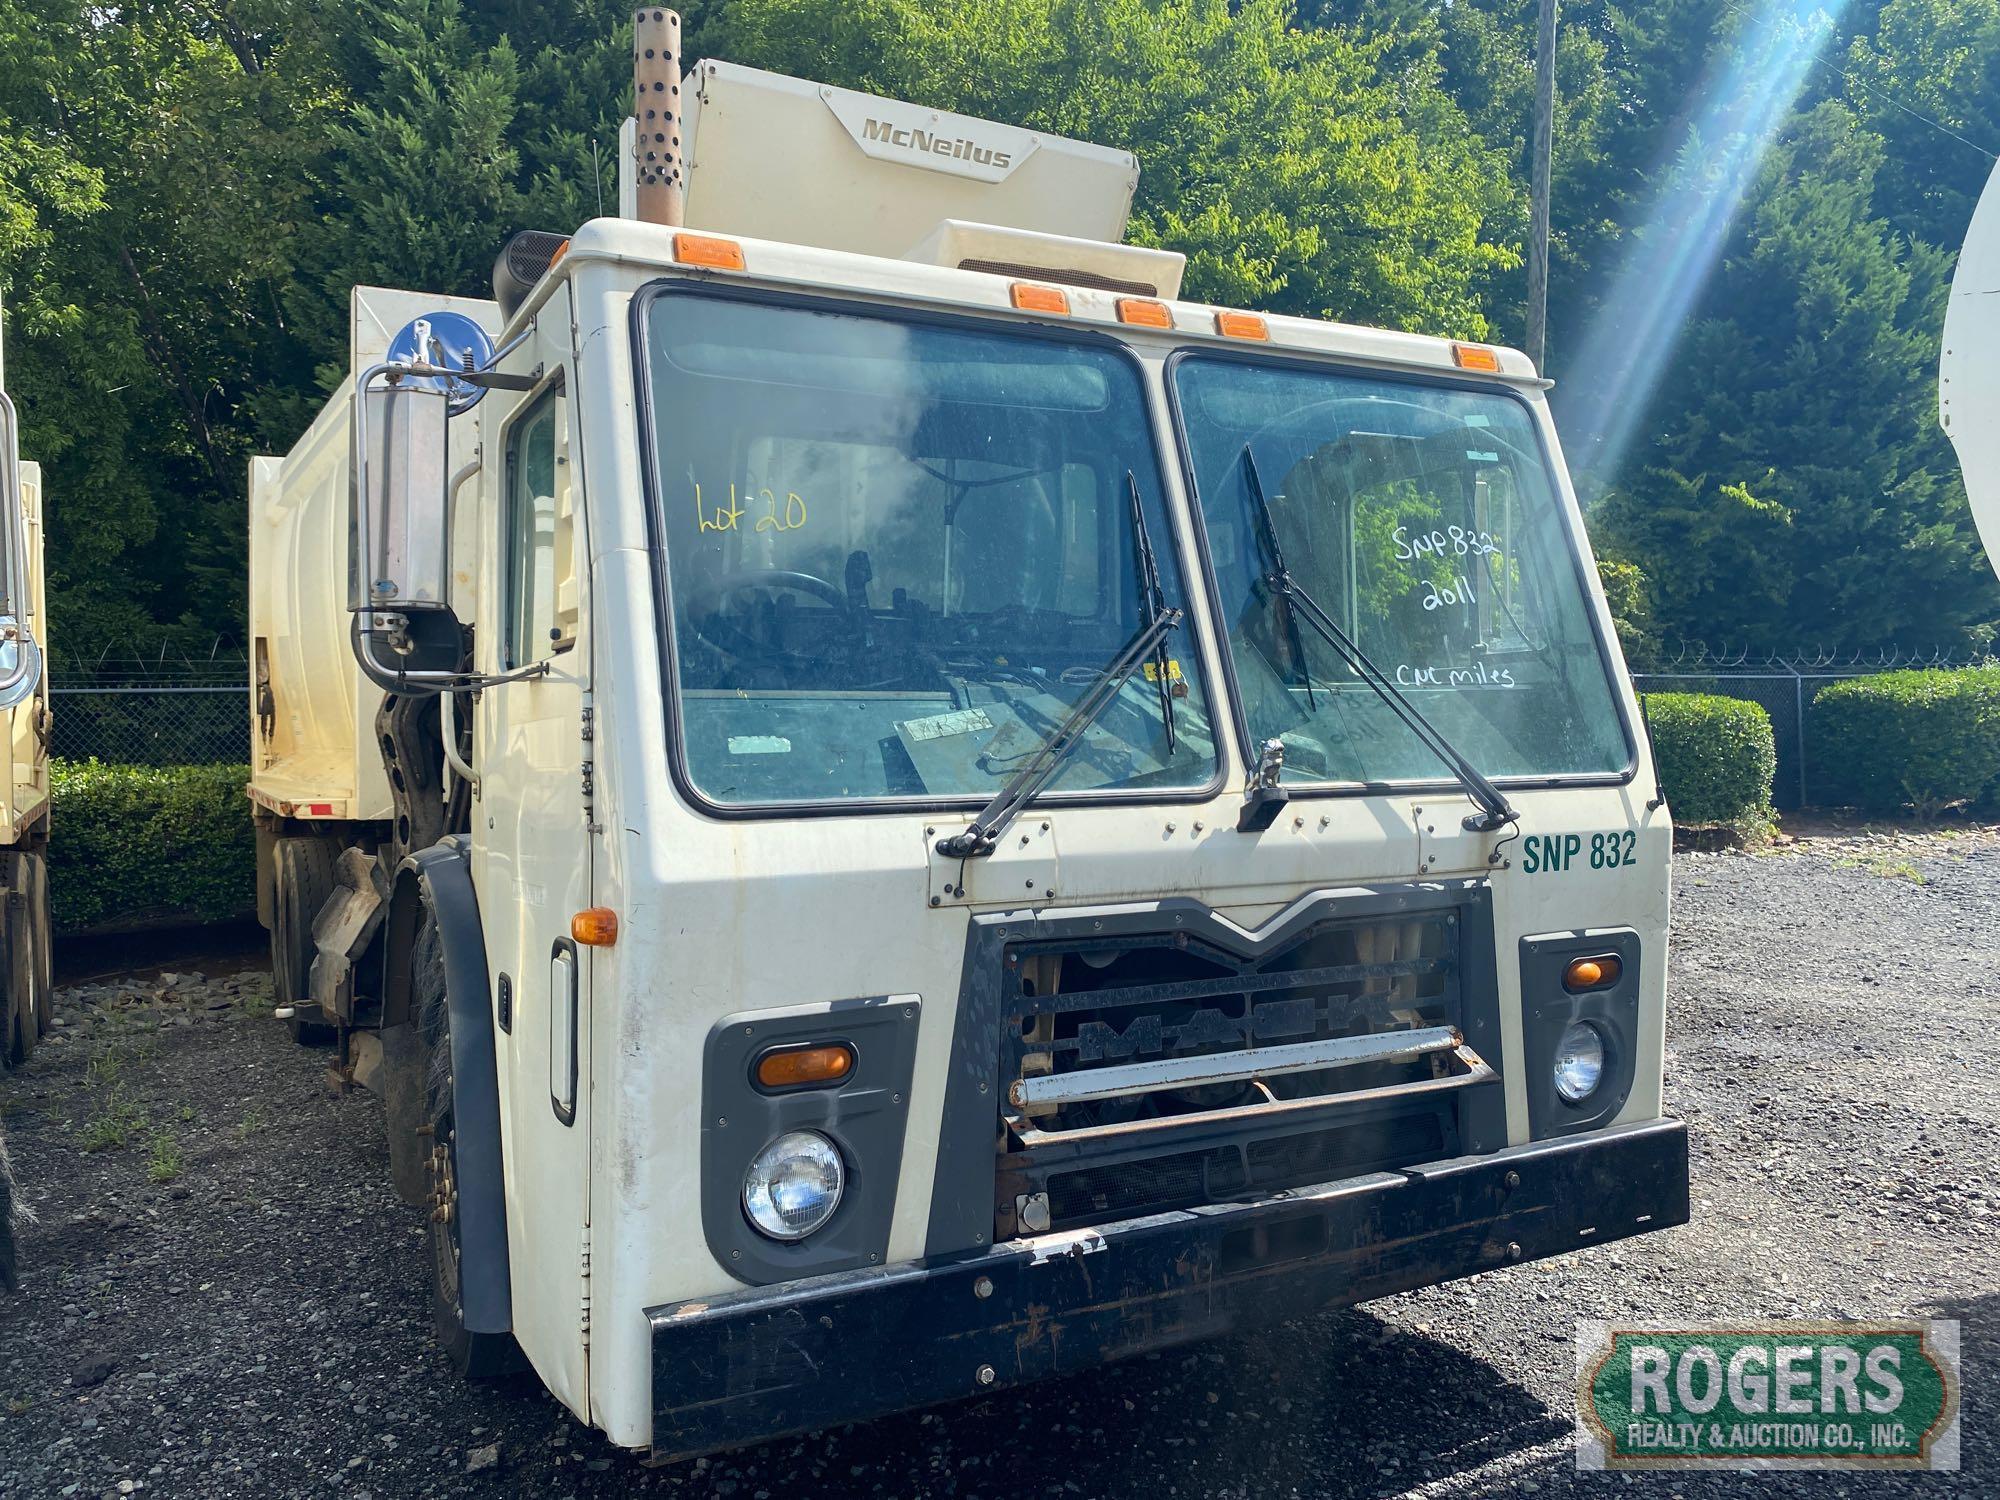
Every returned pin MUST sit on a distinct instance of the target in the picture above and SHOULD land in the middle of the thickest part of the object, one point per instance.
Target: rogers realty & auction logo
(1770, 1395)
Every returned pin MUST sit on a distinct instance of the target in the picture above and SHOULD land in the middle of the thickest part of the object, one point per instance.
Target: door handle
(562, 1030)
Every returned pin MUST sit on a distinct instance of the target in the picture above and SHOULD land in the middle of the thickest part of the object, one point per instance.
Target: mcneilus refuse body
(893, 808)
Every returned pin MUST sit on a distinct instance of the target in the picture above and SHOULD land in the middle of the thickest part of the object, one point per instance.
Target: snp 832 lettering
(1555, 853)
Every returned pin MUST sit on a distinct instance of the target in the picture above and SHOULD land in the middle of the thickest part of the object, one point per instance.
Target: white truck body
(26, 781)
(643, 940)
(1969, 371)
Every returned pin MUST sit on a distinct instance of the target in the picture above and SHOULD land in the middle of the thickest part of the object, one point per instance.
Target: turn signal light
(596, 927)
(1241, 325)
(804, 1067)
(1475, 357)
(708, 250)
(1029, 297)
(1592, 973)
(1143, 312)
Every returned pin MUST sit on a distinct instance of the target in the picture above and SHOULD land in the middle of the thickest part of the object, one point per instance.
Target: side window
(541, 582)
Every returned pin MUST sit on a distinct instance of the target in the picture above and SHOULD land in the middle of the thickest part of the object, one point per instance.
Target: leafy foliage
(1716, 756)
(187, 193)
(134, 843)
(1294, 169)
(1922, 740)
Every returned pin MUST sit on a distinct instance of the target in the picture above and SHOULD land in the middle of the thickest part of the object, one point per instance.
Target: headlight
(1579, 1062)
(794, 1185)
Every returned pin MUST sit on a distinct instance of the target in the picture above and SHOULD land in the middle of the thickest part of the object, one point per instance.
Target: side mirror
(399, 565)
(20, 657)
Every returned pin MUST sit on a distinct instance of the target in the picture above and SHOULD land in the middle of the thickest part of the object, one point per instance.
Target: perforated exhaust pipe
(656, 108)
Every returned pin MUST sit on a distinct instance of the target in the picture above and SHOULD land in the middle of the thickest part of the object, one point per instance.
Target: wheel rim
(445, 1249)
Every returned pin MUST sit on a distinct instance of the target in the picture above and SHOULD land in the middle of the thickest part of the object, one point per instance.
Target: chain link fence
(168, 708)
(157, 707)
(1784, 686)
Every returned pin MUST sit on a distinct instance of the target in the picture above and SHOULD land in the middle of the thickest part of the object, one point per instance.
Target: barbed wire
(167, 661)
(1684, 658)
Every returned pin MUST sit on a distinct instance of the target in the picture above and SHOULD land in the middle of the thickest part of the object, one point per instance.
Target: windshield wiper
(1149, 643)
(1495, 811)
(1152, 604)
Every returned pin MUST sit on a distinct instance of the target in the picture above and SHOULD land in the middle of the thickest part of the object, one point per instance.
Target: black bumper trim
(847, 1347)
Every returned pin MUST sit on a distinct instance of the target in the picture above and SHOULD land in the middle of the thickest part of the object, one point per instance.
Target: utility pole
(1538, 228)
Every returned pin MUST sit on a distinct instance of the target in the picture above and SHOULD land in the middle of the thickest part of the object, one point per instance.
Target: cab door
(532, 853)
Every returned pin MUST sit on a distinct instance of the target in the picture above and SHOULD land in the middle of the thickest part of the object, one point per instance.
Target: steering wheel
(705, 616)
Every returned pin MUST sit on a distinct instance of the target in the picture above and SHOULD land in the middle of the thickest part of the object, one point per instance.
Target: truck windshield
(1424, 520)
(899, 553)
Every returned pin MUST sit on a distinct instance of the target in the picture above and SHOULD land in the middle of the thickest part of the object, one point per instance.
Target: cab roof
(647, 250)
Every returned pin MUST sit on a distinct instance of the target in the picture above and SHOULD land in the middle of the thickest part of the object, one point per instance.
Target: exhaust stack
(656, 106)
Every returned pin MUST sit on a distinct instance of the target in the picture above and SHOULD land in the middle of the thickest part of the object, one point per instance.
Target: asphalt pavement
(222, 1297)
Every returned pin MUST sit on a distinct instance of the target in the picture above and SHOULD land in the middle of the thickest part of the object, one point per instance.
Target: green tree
(173, 145)
(1796, 487)
(1292, 172)
(1931, 61)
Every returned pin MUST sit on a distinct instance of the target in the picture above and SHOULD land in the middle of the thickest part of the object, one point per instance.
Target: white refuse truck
(27, 990)
(25, 951)
(918, 811)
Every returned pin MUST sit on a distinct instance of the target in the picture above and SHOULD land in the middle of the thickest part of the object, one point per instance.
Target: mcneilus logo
(1768, 1396)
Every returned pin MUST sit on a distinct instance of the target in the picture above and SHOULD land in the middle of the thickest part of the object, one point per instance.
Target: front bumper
(774, 1360)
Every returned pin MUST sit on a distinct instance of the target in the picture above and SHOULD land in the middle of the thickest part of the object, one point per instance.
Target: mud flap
(344, 928)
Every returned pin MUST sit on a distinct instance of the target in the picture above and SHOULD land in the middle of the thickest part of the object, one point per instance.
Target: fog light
(1579, 1062)
(794, 1185)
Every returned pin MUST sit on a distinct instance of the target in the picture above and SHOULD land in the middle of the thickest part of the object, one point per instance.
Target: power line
(1863, 84)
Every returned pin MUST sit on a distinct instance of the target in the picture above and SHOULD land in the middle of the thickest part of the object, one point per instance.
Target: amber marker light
(1476, 357)
(1143, 312)
(1592, 973)
(1029, 297)
(804, 1067)
(595, 927)
(708, 250)
(1241, 325)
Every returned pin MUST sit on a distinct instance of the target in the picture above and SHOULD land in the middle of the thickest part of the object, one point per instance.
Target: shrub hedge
(1716, 756)
(133, 845)
(1923, 740)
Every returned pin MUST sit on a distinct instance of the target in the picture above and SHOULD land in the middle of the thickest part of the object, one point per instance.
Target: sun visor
(1133, 270)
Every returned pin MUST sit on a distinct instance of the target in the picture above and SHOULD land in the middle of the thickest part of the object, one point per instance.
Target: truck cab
(994, 818)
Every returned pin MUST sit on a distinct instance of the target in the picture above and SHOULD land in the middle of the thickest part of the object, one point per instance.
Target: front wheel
(476, 1355)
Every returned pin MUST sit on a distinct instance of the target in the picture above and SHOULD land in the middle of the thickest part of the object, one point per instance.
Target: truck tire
(474, 1355)
(17, 972)
(18, 1040)
(37, 864)
(302, 874)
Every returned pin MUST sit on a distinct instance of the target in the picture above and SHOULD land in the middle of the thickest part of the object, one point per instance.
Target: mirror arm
(385, 675)
(495, 381)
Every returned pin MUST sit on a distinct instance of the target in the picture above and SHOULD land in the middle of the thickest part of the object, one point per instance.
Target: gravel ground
(223, 1298)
